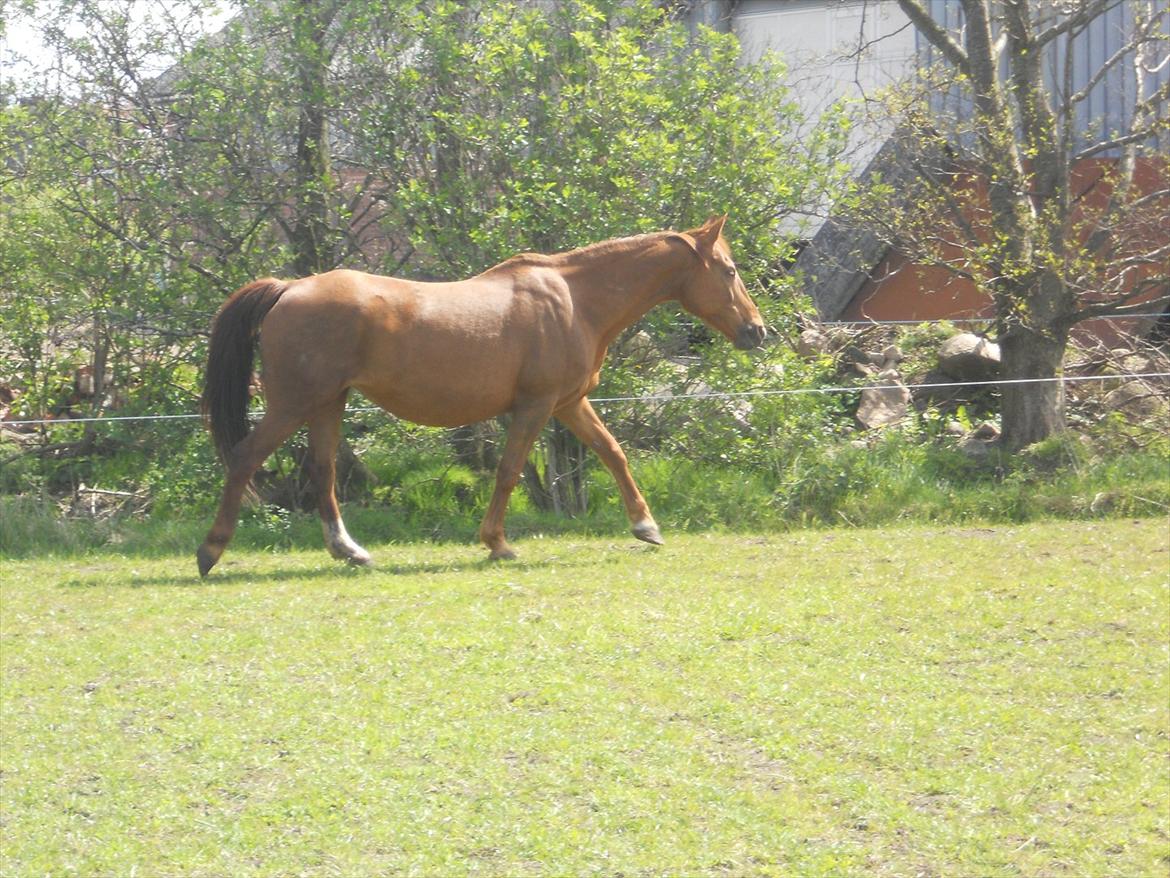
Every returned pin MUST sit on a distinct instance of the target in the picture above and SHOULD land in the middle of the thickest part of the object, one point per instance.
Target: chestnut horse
(525, 338)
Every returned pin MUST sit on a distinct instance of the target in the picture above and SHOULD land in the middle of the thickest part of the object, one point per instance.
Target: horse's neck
(616, 283)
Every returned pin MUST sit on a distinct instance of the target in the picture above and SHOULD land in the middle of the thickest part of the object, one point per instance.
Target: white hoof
(647, 531)
(342, 547)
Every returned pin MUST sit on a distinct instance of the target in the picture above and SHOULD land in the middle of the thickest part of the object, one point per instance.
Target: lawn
(912, 701)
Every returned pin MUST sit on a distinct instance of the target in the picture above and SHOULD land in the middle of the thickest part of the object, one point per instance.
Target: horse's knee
(508, 477)
(616, 454)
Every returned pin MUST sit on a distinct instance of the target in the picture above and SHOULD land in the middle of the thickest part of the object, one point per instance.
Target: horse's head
(714, 291)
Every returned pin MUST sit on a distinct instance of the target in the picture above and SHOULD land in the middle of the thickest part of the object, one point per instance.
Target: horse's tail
(229, 361)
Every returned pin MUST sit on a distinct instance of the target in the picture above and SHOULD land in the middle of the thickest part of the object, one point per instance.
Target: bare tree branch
(1077, 19)
(935, 33)
(1122, 306)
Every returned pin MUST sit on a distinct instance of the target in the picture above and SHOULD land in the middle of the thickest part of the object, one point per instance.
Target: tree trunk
(1031, 411)
(310, 228)
(562, 487)
(476, 445)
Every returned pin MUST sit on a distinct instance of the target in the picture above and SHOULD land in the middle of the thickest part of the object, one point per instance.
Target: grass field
(918, 701)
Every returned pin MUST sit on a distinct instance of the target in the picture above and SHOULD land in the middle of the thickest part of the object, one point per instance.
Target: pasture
(930, 701)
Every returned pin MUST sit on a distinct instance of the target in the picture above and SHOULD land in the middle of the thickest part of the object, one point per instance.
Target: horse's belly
(456, 361)
(439, 403)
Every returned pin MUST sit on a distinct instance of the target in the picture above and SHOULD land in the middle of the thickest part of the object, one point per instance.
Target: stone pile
(886, 398)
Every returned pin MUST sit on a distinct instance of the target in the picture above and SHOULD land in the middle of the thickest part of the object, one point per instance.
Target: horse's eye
(731, 271)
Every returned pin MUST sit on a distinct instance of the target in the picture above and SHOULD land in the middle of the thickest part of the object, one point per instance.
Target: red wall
(899, 289)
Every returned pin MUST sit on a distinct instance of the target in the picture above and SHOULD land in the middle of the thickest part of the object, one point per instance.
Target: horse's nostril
(750, 335)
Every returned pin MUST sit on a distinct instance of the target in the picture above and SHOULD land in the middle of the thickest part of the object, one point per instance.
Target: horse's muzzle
(750, 335)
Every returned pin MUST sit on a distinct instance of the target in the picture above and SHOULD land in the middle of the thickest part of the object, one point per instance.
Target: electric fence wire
(660, 397)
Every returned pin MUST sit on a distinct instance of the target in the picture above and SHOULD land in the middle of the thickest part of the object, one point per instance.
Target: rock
(892, 354)
(979, 442)
(888, 374)
(969, 357)
(882, 404)
(640, 348)
(1121, 366)
(863, 369)
(954, 428)
(1135, 364)
(877, 358)
(975, 447)
(938, 388)
(1103, 502)
(988, 431)
(812, 343)
(1133, 397)
(851, 353)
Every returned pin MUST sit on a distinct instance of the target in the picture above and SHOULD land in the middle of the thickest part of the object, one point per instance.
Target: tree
(431, 139)
(543, 127)
(1058, 213)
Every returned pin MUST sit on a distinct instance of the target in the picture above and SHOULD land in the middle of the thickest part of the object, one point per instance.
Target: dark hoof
(504, 554)
(206, 560)
(647, 532)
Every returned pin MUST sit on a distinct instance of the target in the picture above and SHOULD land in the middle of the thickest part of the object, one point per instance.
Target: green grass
(895, 482)
(914, 701)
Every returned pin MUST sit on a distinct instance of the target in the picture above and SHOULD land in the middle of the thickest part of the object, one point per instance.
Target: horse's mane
(604, 248)
(601, 248)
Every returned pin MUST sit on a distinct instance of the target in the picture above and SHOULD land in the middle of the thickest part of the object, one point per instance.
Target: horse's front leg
(587, 426)
(527, 421)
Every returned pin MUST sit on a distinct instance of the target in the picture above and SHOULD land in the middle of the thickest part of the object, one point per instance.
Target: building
(853, 49)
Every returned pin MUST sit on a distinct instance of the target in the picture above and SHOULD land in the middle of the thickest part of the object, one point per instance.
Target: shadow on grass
(232, 576)
(29, 531)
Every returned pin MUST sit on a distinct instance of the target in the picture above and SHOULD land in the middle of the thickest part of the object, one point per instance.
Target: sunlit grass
(925, 701)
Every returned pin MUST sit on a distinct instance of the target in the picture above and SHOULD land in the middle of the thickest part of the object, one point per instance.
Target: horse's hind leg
(324, 434)
(246, 458)
(526, 424)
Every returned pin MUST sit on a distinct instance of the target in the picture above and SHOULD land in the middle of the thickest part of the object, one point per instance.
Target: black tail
(229, 361)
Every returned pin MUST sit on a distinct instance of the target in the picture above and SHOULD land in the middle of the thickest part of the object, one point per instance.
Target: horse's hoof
(206, 559)
(351, 554)
(647, 531)
(504, 554)
(360, 558)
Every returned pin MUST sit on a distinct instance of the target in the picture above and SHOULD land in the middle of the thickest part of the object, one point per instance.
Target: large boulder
(1135, 398)
(969, 357)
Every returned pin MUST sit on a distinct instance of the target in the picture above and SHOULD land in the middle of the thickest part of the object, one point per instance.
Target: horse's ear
(686, 240)
(706, 235)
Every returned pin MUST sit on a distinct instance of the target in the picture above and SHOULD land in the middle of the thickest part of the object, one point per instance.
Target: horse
(526, 338)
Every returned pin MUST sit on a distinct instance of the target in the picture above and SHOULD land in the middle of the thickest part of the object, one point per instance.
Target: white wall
(848, 49)
(824, 39)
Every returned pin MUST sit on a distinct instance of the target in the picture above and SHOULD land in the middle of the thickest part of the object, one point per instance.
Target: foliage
(420, 490)
(133, 202)
(549, 128)
(141, 192)
(546, 128)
